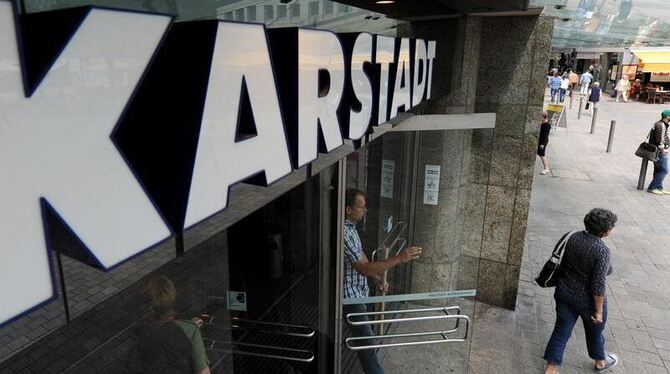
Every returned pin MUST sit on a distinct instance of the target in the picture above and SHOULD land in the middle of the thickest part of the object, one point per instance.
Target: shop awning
(655, 60)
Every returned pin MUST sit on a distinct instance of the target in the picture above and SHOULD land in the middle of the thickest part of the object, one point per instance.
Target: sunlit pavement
(584, 176)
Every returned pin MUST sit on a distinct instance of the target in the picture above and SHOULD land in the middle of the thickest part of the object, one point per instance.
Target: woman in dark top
(580, 292)
(545, 128)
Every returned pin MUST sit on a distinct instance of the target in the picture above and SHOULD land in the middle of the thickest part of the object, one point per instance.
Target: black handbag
(587, 105)
(547, 277)
(647, 150)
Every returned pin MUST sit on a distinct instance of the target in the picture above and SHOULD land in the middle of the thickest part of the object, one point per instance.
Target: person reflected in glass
(581, 292)
(357, 270)
(163, 343)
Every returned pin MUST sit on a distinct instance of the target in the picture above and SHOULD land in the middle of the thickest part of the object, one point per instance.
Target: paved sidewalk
(584, 176)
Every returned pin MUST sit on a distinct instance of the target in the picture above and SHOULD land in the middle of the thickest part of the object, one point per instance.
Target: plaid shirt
(355, 283)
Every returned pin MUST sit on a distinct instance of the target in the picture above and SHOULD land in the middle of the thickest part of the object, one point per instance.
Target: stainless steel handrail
(309, 332)
(400, 247)
(442, 334)
(445, 309)
(255, 354)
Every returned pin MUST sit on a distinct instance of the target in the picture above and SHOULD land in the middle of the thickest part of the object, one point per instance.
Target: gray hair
(596, 84)
(598, 221)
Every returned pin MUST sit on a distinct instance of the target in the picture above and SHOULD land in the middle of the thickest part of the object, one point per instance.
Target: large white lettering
(401, 94)
(384, 57)
(362, 53)
(431, 65)
(241, 54)
(420, 72)
(318, 51)
(56, 145)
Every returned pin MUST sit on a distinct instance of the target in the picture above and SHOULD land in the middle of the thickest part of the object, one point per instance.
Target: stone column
(511, 83)
(439, 228)
(475, 237)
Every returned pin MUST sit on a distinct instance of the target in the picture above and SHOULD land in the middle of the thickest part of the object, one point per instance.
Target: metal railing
(440, 334)
(263, 327)
(308, 355)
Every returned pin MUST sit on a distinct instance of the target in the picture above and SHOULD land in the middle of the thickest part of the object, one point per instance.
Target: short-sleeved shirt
(565, 84)
(167, 346)
(355, 283)
(198, 355)
(585, 266)
(555, 83)
(586, 78)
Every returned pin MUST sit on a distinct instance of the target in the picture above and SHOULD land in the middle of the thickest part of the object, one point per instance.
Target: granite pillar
(474, 238)
(513, 53)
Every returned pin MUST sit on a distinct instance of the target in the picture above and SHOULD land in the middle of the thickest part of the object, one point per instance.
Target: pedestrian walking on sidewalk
(580, 292)
(555, 86)
(622, 88)
(585, 80)
(659, 138)
(545, 128)
(595, 95)
(565, 85)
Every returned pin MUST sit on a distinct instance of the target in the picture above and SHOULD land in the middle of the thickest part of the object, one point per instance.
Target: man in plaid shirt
(357, 269)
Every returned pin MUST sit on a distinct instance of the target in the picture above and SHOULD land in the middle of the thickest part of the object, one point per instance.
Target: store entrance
(276, 314)
(420, 189)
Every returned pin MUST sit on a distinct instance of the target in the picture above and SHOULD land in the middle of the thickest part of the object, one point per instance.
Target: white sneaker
(656, 192)
(544, 172)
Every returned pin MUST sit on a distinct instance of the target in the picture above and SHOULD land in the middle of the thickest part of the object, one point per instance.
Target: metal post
(62, 287)
(572, 94)
(611, 137)
(593, 120)
(581, 105)
(643, 174)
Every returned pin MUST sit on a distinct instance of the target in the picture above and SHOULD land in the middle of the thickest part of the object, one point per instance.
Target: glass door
(410, 259)
(273, 312)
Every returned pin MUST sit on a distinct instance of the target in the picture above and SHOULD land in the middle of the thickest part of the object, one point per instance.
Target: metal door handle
(401, 246)
(309, 354)
(308, 332)
(441, 334)
(445, 310)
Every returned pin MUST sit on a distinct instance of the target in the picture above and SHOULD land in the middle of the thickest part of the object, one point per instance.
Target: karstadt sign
(128, 127)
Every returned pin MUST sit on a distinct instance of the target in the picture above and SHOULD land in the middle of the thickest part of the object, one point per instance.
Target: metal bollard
(581, 105)
(611, 137)
(593, 120)
(643, 174)
(572, 94)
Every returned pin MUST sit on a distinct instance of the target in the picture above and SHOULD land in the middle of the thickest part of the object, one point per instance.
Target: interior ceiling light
(384, 1)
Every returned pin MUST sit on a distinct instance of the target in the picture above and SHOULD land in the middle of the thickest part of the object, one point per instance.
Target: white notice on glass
(388, 168)
(431, 186)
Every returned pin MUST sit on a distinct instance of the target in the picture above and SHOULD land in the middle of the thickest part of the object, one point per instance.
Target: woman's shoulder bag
(647, 150)
(549, 274)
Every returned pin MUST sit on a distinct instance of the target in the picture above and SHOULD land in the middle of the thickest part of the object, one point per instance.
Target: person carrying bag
(647, 150)
(584, 261)
(549, 273)
(658, 137)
